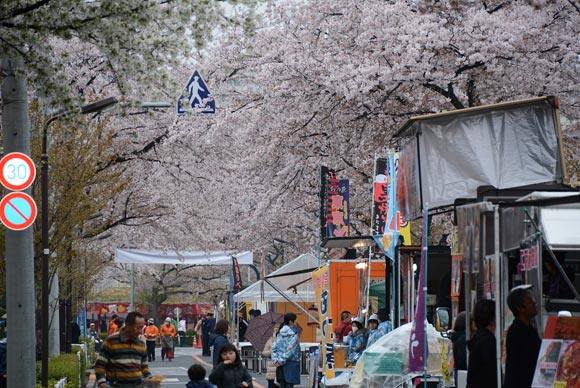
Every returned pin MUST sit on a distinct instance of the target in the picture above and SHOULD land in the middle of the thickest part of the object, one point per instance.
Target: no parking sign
(17, 211)
(17, 172)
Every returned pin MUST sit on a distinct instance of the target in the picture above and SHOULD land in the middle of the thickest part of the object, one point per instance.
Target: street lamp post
(96, 107)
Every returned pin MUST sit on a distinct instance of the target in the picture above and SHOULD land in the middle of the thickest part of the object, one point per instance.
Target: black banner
(236, 276)
(326, 175)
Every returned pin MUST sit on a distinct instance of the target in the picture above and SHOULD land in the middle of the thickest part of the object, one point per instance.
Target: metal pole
(45, 251)
(132, 306)
(91, 108)
(19, 251)
(499, 276)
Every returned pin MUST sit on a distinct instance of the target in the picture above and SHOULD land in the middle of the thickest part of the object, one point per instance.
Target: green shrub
(64, 365)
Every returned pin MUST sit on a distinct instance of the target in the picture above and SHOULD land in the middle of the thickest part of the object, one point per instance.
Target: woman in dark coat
(218, 339)
(230, 372)
(482, 369)
(459, 344)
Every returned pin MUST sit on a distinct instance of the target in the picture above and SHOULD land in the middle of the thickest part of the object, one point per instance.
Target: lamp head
(99, 106)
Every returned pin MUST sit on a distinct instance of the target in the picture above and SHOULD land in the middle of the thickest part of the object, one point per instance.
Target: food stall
(487, 165)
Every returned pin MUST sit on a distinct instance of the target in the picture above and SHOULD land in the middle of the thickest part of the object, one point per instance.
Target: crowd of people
(522, 343)
(124, 355)
(353, 333)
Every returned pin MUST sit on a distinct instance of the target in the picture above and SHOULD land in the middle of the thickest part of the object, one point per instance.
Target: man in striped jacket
(123, 356)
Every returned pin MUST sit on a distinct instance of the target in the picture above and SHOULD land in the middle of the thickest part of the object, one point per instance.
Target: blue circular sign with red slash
(17, 171)
(17, 211)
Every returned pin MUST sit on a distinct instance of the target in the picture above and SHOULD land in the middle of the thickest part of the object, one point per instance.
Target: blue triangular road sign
(196, 97)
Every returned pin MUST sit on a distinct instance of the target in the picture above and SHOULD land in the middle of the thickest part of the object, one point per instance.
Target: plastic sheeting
(386, 363)
(504, 146)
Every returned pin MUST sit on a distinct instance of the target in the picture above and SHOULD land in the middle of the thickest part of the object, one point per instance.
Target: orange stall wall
(308, 333)
(345, 286)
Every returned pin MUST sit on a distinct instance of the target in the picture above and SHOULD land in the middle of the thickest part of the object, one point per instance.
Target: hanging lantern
(312, 310)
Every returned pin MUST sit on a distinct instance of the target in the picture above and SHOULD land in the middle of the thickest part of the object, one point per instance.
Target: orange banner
(321, 280)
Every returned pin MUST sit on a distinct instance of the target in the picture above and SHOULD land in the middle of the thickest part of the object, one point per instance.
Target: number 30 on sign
(18, 171)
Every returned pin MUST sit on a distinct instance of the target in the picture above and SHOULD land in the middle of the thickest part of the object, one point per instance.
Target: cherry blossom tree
(328, 83)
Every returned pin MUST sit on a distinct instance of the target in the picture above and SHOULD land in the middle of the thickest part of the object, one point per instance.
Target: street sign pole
(20, 296)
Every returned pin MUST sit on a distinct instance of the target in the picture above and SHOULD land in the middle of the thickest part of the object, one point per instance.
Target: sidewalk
(92, 383)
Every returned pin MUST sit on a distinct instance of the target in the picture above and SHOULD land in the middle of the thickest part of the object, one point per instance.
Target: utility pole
(20, 297)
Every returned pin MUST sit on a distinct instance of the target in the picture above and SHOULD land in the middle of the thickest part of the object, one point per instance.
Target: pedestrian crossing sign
(196, 97)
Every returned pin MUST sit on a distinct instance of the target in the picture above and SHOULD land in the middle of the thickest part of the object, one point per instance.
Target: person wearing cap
(522, 340)
(207, 327)
(95, 337)
(167, 333)
(151, 332)
(374, 334)
(359, 340)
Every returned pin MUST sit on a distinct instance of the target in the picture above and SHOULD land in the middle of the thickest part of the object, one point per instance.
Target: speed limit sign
(18, 171)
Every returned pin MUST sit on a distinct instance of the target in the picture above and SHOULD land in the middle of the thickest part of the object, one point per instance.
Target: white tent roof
(153, 256)
(296, 275)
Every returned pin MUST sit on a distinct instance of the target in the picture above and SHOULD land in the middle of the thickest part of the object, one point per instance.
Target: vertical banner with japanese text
(380, 200)
(236, 276)
(326, 175)
(387, 223)
(338, 218)
(321, 280)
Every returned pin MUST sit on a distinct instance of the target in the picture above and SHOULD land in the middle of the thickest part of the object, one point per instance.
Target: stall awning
(561, 228)
(560, 223)
(294, 279)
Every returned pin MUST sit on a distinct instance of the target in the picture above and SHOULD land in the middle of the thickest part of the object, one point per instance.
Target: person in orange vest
(151, 332)
(113, 326)
(167, 332)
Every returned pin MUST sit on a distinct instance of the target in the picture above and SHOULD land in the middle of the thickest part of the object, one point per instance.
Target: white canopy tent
(291, 282)
(154, 256)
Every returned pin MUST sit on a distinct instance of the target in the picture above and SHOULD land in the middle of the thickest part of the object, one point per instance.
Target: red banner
(189, 311)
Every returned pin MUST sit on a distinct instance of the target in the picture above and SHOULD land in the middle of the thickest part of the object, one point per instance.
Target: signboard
(338, 212)
(196, 97)
(82, 321)
(18, 171)
(321, 280)
(17, 211)
(326, 175)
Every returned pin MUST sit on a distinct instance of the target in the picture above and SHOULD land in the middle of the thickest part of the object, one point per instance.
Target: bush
(65, 365)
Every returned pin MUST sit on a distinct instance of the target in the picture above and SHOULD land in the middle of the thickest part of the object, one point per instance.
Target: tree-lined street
(297, 85)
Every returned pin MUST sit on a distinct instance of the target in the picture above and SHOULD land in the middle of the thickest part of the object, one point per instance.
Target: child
(230, 372)
(197, 379)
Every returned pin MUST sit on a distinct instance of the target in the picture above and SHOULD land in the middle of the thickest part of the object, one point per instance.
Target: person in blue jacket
(219, 338)
(286, 352)
(359, 340)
